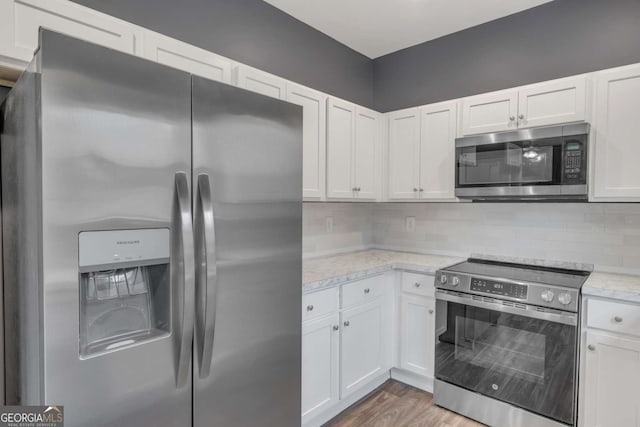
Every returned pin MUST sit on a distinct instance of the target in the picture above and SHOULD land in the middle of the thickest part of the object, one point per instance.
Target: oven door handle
(566, 319)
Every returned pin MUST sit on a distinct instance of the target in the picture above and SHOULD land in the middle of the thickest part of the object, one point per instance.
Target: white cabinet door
(20, 21)
(492, 112)
(259, 81)
(417, 334)
(616, 175)
(554, 102)
(320, 371)
(362, 346)
(183, 56)
(313, 139)
(340, 148)
(437, 151)
(611, 378)
(404, 154)
(367, 143)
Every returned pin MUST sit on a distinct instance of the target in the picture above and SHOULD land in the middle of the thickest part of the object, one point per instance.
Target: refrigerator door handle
(182, 278)
(206, 274)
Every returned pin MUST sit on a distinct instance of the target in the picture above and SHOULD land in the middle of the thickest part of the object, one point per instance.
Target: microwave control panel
(574, 161)
(512, 290)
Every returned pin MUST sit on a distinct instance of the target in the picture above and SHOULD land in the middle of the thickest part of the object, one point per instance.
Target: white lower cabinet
(346, 349)
(362, 346)
(610, 370)
(320, 364)
(612, 376)
(417, 323)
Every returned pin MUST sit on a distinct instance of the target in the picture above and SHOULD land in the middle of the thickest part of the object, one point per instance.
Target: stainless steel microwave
(547, 163)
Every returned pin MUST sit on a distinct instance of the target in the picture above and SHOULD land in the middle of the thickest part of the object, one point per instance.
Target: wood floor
(398, 405)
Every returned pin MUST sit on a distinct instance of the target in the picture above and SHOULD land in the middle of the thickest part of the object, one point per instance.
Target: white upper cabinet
(558, 101)
(422, 152)
(353, 138)
(20, 21)
(259, 81)
(437, 151)
(492, 112)
(314, 121)
(366, 147)
(340, 134)
(183, 56)
(404, 154)
(549, 103)
(615, 175)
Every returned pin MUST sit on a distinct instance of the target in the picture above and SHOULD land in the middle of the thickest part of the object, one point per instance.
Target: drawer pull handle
(336, 327)
(430, 311)
(417, 285)
(366, 291)
(310, 308)
(591, 347)
(347, 323)
(618, 319)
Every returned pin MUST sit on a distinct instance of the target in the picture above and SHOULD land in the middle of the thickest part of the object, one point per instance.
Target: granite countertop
(623, 287)
(326, 272)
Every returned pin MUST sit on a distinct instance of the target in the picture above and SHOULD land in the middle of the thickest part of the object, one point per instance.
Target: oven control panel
(512, 290)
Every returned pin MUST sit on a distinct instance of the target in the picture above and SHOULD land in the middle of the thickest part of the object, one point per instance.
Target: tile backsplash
(604, 234)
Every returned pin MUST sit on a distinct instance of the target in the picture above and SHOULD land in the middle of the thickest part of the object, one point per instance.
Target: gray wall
(557, 39)
(257, 34)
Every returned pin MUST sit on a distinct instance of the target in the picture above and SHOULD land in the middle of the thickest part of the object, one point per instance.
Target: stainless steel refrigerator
(152, 239)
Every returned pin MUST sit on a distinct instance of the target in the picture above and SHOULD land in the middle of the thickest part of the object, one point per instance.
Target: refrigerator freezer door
(115, 155)
(250, 149)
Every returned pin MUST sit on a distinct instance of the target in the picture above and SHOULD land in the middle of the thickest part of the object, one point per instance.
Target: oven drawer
(318, 304)
(614, 316)
(419, 284)
(362, 291)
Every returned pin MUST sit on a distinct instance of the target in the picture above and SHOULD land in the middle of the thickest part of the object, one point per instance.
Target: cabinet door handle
(618, 319)
(354, 189)
(310, 308)
(521, 116)
(421, 190)
(591, 347)
(417, 285)
(347, 323)
(430, 311)
(336, 327)
(366, 291)
(512, 118)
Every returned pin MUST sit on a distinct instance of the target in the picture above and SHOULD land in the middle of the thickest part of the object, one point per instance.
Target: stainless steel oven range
(507, 342)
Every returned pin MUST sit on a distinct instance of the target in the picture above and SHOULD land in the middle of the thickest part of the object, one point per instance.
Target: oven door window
(527, 362)
(510, 164)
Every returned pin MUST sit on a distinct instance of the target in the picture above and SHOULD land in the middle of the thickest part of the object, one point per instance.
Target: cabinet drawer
(614, 316)
(318, 304)
(362, 291)
(419, 284)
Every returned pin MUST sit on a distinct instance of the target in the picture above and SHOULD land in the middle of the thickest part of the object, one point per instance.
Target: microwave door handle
(206, 274)
(182, 278)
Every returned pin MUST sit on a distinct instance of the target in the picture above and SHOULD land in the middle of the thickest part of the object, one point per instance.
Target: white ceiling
(378, 27)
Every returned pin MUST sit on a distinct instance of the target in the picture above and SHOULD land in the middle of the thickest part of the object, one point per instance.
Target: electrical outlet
(329, 224)
(410, 224)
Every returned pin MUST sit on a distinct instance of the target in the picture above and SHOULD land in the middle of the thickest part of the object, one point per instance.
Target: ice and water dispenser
(124, 288)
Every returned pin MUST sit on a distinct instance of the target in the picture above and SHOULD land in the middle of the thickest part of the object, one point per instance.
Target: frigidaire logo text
(32, 416)
(128, 242)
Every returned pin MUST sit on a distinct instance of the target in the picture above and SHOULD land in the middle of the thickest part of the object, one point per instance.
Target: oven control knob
(455, 281)
(547, 296)
(443, 279)
(564, 298)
